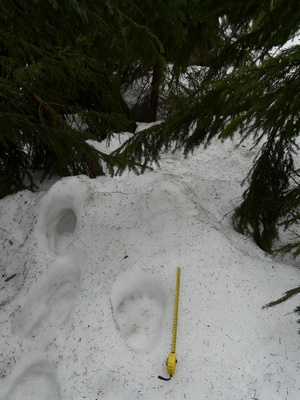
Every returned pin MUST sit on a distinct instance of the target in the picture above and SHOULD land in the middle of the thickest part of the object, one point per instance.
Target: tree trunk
(154, 94)
(53, 116)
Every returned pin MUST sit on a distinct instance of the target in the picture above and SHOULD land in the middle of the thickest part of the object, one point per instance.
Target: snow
(89, 313)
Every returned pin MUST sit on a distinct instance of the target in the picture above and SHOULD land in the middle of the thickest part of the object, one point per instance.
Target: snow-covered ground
(89, 313)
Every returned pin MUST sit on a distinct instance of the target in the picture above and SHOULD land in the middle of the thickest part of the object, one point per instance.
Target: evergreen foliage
(264, 201)
(55, 77)
(288, 295)
(184, 36)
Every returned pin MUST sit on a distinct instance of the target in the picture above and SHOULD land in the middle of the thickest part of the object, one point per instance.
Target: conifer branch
(45, 106)
(288, 295)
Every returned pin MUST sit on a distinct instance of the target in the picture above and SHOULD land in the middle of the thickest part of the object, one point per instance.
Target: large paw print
(139, 306)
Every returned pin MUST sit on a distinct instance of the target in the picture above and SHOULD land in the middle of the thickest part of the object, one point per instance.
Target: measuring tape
(172, 360)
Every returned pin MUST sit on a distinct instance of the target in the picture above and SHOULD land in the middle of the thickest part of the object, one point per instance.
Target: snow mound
(92, 315)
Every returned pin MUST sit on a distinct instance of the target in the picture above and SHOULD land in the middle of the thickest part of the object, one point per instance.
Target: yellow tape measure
(172, 360)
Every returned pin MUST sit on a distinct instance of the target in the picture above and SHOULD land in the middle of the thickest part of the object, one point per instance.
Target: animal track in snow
(61, 209)
(35, 382)
(61, 230)
(48, 306)
(139, 304)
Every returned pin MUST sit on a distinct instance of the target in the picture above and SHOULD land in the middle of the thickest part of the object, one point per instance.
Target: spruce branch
(289, 294)
(45, 106)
